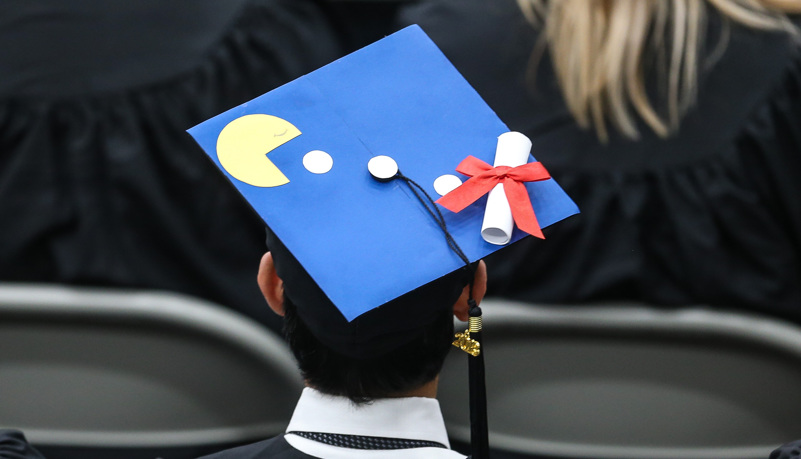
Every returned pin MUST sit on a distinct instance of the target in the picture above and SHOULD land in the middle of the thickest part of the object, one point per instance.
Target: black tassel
(479, 437)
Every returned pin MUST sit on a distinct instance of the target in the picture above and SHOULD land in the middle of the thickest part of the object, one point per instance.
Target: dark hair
(400, 370)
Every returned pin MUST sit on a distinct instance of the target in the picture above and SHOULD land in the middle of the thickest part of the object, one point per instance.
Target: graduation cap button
(382, 168)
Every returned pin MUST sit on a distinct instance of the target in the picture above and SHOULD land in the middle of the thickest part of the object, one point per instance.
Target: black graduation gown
(14, 445)
(274, 448)
(99, 182)
(788, 451)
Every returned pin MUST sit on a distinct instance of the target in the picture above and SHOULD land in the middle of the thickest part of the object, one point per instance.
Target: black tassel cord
(479, 437)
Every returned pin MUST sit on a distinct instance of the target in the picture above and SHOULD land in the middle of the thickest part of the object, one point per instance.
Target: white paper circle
(444, 184)
(382, 167)
(318, 162)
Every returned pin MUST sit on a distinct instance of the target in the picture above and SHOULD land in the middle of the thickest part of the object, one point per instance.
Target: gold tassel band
(475, 324)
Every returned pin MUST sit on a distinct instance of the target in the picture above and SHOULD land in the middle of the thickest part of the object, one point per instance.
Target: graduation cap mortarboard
(299, 155)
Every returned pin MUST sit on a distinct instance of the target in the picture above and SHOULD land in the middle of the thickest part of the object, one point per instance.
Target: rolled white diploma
(512, 150)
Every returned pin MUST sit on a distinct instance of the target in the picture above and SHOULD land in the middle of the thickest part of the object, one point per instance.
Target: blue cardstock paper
(366, 242)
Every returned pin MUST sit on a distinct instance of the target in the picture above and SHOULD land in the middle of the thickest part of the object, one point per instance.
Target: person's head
(390, 351)
(601, 51)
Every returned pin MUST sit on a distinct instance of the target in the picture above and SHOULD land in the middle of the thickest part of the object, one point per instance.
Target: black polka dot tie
(365, 442)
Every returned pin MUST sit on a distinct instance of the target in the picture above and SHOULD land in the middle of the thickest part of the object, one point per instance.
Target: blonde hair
(598, 49)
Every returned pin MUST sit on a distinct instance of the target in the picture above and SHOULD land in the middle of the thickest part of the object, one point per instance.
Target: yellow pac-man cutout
(243, 144)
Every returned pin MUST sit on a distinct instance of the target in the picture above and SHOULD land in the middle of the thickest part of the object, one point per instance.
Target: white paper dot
(444, 184)
(318, 162)
(382, 167)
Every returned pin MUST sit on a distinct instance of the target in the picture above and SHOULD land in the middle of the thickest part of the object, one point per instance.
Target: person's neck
(428, 390)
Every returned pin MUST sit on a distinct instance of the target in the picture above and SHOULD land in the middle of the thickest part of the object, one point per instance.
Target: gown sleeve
(13, 445)
(790, 450)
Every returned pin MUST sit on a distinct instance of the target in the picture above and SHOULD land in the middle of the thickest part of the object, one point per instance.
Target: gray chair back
(631, 381)
(102, 368)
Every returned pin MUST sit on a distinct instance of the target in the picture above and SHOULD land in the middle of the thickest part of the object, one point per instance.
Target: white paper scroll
(512, 150)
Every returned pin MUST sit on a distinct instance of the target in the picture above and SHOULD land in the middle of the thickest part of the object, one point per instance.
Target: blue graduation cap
(299, 155)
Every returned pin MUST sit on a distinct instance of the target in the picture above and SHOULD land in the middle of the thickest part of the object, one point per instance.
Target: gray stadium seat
(100, 368)
(629, 381)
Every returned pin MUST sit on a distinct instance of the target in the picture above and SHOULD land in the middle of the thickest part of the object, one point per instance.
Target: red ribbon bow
(484, 177)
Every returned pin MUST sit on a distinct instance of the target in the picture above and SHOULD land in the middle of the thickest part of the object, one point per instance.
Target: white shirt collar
(416, 418)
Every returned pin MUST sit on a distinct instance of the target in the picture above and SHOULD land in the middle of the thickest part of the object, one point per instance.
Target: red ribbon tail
(522, 211)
